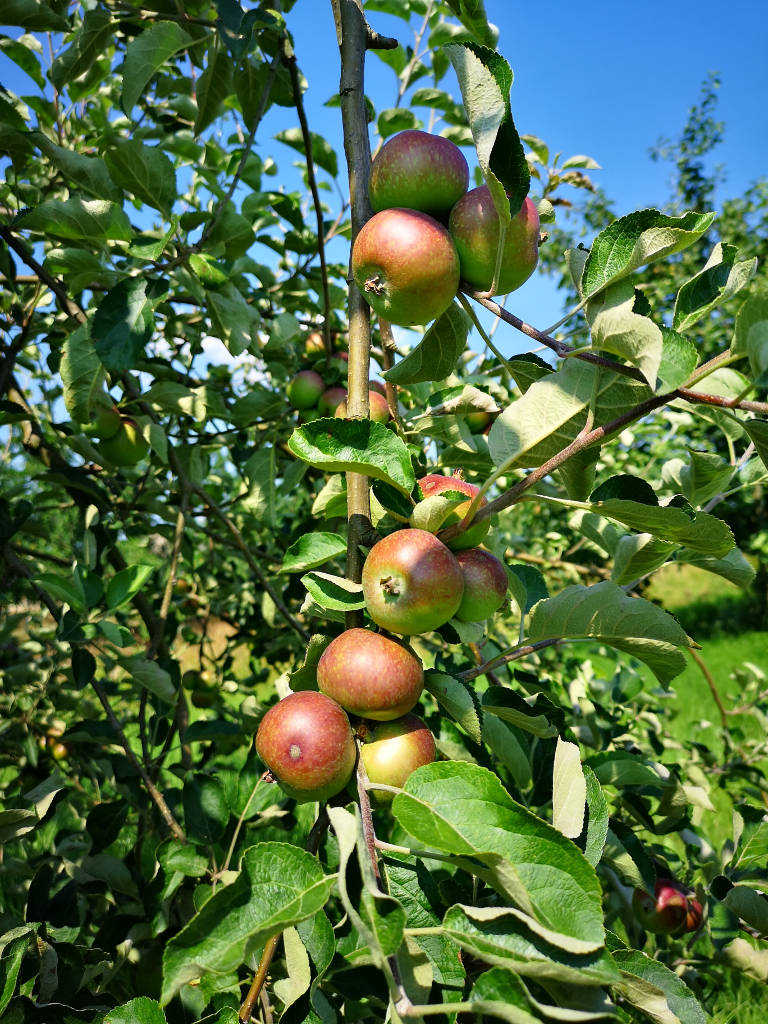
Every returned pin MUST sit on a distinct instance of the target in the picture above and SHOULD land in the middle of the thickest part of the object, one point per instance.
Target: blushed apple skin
(127, 446)
(478, 421)
(476, 534)
(406, 266)
(307, 743)
(393, 750)
(474, 227)
(370, 675)
(305, 389)
(330, 400)
(665, 912)
(485, 584)
(377, 406)
(412, 583)
(419, 171)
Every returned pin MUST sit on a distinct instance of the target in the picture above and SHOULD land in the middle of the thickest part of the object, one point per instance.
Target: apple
(474, 226)
(370, 675)
(485, 584)
(435, 483)
(694, 916)
(406, 266)
(412, 583)
(306, 741)
(377, 385)
(126, 446)
(418, 171)
(107, 421)
(478, 421)
(305, 389)
(392, 750)
(330, 400)
(665, 912)
(378, 410)
(314, 345)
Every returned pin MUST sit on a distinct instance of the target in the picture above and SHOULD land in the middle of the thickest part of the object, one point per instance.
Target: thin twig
(246, 1010)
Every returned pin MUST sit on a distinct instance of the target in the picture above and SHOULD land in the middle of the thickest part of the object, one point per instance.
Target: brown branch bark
(246, 1010)
(504, 659)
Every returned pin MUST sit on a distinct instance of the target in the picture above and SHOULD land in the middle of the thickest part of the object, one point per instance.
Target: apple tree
(306, 713)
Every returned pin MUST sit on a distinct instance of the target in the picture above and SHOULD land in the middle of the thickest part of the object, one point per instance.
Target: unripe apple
(418, 171)
(370, 675)
(378, 410)
(107, 421)
(127, 446)
(306, 741)
(330, 400)
(664, 913)
(412, 583)
(392, 750)
(434, 483)
(305, 389)
(406, 266)
(478, 421)
(474, 226)
(485, 584)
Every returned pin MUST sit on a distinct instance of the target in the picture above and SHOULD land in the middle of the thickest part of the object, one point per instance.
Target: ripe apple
(392, 750)
(306, 741)
(412, 583)
(694, 916)
(305, 389)
(474, 226)
(665, 912)
(378, 410)
(485, 584)
(330, 400)
(418, 171)
(370, 675)
(406, 266)
(434, 483)
(126, 446)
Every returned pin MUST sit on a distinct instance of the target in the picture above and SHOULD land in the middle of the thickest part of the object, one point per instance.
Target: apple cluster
(672, 910)
(311, 395)
(428, 232)
(121, 441)
(369, 682)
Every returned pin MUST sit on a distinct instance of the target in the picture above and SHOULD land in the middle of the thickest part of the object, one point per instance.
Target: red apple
(305, 389)
(435, 483)
(406, 266)
(330, 400)
(665, 912)
(418, 171)
(370, 675)
(392, 750)
(378, 410)
(412, 583)
(485, 584)
(306, 741)
(474, 226)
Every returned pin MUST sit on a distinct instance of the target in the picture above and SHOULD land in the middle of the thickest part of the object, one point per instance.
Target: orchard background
(181, 547)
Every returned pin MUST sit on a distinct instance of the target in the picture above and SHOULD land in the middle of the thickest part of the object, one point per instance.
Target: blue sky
(602, 78)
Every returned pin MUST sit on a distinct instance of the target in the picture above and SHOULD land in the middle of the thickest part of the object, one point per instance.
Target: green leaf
(720, 278)
(471, 13)
(151, 676)
(679, 358)
(357, 446)
(323, 153)
(597, 826)
(82, 374)
(67, 589)
(123, 324)
(206, 811)
(436, 355)
(527, 585)
(259, 404)
(91, 220)
(394, 120)
(278, 886)
(733, 567)
(462, 809)
(235, 320)
(125, 584)
(605, 614)
(512, 708)
(485, 79)
(88, 44)
(616, 328)
(623, 768)
(305, 677)
(636, 240)
(697, 530)
(313, 549)
(145, 171)
(213, 87)
(146, 54)
(261, 470)
(651, 987)
(334, 593)
(22, 51)
(701, 477)
(751, 333)
(750, 905)
(636, 555)
(138, 1011)
(569, 790)
(298, 972)
(497, 936)
(86, 172)
(758, 434)
(457, 700)
(33, 16)
(13, 946)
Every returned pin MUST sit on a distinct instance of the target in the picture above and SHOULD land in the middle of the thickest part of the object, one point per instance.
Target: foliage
(154, 258)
